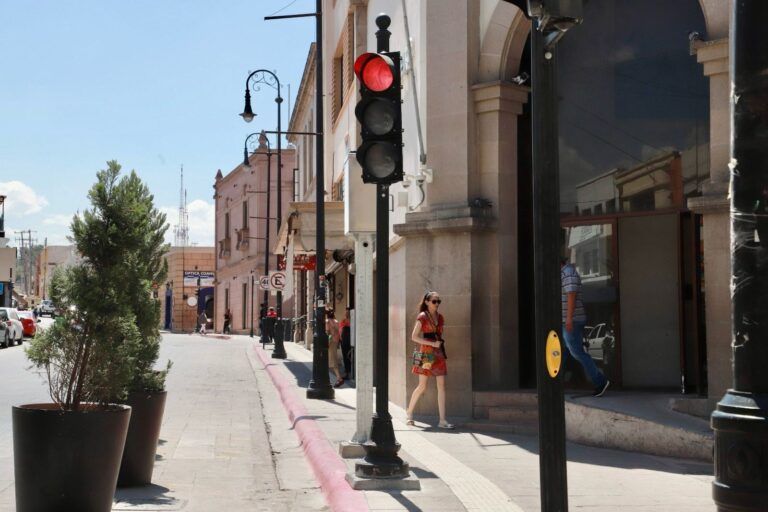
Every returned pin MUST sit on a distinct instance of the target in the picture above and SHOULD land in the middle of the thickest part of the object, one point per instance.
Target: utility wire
(283, 8)
(611, 125)
(604, 141)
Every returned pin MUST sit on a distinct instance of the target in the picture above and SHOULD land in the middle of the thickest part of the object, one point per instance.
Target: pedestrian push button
(554, 354)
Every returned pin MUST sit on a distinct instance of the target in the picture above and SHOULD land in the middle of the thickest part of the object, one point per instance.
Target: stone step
(524, 428)
(502, 398)
(524, 414)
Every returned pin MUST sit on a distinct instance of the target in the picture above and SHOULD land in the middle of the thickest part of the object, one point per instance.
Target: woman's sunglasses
(436, 301)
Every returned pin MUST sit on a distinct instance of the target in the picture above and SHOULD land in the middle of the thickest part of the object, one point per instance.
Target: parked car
(11, 318)
(5, 335)
(598, 341)
(29, 323)
(47, 308)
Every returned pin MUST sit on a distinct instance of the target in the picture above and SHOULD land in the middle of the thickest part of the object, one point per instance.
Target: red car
(28, 323)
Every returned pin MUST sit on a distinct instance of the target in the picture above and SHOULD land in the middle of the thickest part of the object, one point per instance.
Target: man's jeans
(574, 342)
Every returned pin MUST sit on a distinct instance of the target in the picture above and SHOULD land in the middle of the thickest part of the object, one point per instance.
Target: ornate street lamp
(264, 76)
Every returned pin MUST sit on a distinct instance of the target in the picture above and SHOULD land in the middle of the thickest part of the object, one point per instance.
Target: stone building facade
(242, 219)
(644, 143)
(177, 312)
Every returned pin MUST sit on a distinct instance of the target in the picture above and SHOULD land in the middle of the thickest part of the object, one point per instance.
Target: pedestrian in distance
(202, 320)
(269, 324)
(227, 322)
(574, 319)
(429, 358)
(332, 330)
(345, 328)
(262, 316)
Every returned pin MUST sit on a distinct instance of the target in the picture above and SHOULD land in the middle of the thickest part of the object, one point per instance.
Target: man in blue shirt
(574, 319)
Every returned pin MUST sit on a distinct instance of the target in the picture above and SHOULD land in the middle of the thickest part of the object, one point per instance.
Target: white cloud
(58, 220)
(21, 198)
(202, 221)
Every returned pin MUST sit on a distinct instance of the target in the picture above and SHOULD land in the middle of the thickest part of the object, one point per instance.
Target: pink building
(241, 232)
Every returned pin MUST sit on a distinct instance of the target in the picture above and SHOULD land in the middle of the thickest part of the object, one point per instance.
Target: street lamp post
(253, 296)
(263, 144)
(740, 421)
(320, 384)
(268, 77)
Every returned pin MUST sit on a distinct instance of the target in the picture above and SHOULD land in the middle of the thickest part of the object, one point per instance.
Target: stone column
(495, 290)
(713, 205)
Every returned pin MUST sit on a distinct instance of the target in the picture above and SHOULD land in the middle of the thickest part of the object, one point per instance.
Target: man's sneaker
(601, 390)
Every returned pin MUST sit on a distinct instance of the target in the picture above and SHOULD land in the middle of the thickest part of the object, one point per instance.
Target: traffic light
(379, 112)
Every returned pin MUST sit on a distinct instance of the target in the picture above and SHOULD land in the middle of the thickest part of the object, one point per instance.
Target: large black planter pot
(67, 460)
(143, 434)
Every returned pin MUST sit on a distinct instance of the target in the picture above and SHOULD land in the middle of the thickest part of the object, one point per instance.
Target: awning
(300, 224)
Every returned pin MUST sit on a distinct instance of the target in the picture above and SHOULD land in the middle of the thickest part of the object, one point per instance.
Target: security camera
(421, 178)
(407, 182)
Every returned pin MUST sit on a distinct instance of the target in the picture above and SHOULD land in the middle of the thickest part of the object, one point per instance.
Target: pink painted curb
(330, 470)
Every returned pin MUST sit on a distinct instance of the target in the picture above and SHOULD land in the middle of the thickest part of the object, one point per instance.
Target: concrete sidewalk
(466, 470)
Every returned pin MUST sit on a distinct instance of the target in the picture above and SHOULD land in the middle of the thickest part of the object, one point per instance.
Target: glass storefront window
(590, 248)
(633, 109)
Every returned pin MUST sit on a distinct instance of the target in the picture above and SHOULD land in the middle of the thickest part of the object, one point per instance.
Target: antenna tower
(181, 229)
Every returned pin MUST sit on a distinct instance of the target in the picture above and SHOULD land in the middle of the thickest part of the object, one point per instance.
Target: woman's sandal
(445, 425)
(409, 421)
(339, 383)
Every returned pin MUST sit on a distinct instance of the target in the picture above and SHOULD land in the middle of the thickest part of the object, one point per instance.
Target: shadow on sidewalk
(608, 457)
(155, 496)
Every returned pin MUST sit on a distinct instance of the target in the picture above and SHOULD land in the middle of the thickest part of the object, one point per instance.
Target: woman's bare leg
(417, 392)
(441, 397)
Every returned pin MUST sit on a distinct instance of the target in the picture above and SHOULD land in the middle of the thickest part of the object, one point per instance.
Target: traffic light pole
(381, 460)
(740, 421)
(546, 228)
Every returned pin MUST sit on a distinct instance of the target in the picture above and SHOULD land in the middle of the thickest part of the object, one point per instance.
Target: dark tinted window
(634, 108)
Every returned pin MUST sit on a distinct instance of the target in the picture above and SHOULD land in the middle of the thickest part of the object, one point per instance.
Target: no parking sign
(277, 280)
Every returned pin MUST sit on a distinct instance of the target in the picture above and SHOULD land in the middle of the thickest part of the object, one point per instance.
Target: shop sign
(300, 262)
(206, 278)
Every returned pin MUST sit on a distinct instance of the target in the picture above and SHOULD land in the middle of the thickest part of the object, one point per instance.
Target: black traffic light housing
(379, 112)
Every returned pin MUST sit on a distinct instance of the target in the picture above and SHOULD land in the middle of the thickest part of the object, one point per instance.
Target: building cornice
(447, 219)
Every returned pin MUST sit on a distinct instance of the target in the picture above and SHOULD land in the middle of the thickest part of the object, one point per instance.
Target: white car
(12, 321)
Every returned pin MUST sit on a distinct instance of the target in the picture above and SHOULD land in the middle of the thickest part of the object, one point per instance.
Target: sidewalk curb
(330, 470)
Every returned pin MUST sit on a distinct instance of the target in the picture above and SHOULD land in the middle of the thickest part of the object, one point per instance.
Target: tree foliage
(107, 340)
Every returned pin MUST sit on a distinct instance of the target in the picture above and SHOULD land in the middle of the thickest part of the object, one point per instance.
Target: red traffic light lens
(375, 71)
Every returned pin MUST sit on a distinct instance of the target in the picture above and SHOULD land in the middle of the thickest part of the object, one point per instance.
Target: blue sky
(151, 84)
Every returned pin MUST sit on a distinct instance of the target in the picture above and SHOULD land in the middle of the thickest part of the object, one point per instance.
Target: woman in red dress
(429, 358)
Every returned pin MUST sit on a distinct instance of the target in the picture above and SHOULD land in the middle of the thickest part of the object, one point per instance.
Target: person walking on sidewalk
(429, 359)
(345, 328)
(574, 319)
(202, 321)
(269, 324)
(332, 330)
(227, 322)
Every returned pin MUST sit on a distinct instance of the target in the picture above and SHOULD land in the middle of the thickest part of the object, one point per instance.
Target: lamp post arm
(261, 80)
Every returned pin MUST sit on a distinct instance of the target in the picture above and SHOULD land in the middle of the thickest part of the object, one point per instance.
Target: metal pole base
(370, 468)
(381, 460)
(740, 423)
(279, 351)
(319, 392)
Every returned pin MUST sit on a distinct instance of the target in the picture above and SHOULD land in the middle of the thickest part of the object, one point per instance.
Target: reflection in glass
(634, 107)
(590, 248)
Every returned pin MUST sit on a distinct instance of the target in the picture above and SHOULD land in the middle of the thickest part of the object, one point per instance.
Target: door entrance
(641, 286)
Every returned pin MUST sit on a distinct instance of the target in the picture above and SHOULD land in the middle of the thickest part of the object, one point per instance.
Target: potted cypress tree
(145, 266)
(67, 453)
